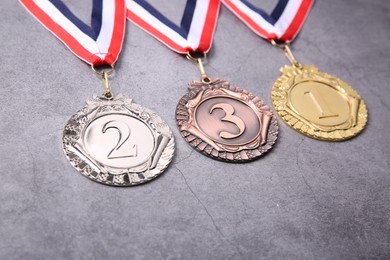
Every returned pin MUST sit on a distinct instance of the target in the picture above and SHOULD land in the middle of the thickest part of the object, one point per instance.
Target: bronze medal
(221, 121)
(225, 122)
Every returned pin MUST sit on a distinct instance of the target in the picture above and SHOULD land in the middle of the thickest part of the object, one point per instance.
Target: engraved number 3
(229, 117)
(124, 134)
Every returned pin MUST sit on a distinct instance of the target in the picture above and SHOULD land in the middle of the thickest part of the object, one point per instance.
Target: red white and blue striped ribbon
(283, 24)
(195, 33)
(97, 44)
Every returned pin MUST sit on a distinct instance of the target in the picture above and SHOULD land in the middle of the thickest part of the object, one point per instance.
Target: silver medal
(117, 142)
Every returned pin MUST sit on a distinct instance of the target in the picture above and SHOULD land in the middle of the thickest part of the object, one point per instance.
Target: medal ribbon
(97, 44)
(196, 30)
(283, 24)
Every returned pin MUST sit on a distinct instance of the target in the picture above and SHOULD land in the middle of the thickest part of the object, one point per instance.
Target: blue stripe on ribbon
(185, 24)
(188, 15)
(276, 13)
(92, 31)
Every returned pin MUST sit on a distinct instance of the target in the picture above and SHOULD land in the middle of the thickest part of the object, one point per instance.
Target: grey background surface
(306, 199)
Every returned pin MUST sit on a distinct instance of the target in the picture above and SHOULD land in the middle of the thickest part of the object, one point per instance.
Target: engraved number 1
(124, 134)
(229, 117)
(321, 105)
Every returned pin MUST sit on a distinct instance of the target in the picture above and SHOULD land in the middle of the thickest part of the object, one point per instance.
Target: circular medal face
(118, 142)
(318, 105)
(226, 123)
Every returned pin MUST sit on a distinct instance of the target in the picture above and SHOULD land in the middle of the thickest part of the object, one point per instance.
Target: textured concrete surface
(306, 199)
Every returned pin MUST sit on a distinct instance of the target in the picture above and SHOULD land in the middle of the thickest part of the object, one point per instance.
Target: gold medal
(317, 104)
(314, 103)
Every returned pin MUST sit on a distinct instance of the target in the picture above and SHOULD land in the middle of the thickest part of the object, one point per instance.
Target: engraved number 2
(124, 134)
(229, 117)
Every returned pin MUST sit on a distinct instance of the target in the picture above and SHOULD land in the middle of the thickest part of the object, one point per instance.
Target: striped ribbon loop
(283, 24)
(196, 30)
(97, 44)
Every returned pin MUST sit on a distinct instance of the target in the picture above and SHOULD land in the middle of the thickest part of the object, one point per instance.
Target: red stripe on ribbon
(178, 43)
(288, 35)
(209, 28)
(117, 35)
(60, 33)
(73, 44)
(248, 21)
(295, 26)
(156, 33)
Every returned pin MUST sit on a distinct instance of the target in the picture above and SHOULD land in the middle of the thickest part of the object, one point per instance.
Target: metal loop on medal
(104, 72)
(287, 51)
(191, 56)
(279, 45)
(199, 62)
(102, 69)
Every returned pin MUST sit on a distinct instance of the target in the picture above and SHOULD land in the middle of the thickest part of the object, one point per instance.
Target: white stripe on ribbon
(194, 36)
(157, 24)
(198, 22)
(52, 11)
(256, 17)
(279, 28)
(103, 41)
(88, 49)
(287, 16)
